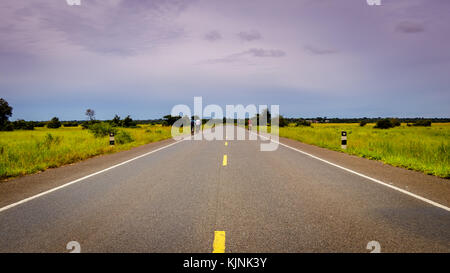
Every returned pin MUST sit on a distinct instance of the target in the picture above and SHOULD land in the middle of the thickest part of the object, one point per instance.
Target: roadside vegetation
(30, 151)
(416, 146)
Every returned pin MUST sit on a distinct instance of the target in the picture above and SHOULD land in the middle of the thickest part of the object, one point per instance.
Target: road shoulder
(431, 187)
(23, 187)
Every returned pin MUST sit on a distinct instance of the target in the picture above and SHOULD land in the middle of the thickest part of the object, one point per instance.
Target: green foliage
(70, 124)
(423, 122)
(101, 129)
(417, 148)
(116, 122)
(5, 114)
(23, 125)
(282, 121)
(123, 137)
(128, 122)
(54, 123)
(25, 152)
(363, 123)
(303, 122)
(170, 120)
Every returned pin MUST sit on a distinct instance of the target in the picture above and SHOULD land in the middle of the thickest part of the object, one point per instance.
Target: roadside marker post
(111, 139)
(344, 140)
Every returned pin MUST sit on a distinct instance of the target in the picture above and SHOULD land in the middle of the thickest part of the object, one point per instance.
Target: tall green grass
(425, 149)
(26, 152)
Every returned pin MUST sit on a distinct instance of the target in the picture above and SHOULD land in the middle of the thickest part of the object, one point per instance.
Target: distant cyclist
(192, 126)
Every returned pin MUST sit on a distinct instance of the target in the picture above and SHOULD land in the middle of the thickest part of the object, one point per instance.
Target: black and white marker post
(111, 138)
(344, 140)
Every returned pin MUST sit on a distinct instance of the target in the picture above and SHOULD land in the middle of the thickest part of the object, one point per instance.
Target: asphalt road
(174, 199)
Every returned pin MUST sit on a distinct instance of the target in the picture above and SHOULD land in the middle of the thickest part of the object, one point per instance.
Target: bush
(282, 122)
(70, 124)
(101, 129)
(384, 124)
(87, 124)
(123, 137)
(54, 123)
(422, 122)
(303, 123)
(23, 125)
(363, 123)
(395, 122)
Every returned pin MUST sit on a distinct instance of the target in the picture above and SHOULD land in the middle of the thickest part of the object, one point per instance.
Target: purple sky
(334, 58)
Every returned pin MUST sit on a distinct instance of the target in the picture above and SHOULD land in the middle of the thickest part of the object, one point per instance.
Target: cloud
(252, 52)
(249, 35)
(213, 36)
(319, 51)
(409, 27)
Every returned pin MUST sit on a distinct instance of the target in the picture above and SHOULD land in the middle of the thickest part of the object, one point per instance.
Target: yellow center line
(219, 242)
(225, 161)
(226, 143)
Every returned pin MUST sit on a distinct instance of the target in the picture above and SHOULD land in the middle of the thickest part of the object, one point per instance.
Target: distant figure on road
(192, 126)
(249, 124)
(198, 124)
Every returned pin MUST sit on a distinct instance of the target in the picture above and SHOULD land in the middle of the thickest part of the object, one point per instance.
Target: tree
(116, 121)
(90, 113)
(282, 121)
(363, 123)
(384, 124)
(5, 114)
(54, 123)
(128, 122)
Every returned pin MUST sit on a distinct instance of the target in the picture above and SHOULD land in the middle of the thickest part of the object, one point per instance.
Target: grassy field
(425, 149)
(26, 152)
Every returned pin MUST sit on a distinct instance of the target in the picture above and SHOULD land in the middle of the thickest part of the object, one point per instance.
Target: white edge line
(83, 178)
(362, 175)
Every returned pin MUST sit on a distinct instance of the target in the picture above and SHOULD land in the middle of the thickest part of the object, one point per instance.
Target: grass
(425, 149)
(27, 152)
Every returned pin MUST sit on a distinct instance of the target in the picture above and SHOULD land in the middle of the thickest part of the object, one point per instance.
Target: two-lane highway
(195, 196)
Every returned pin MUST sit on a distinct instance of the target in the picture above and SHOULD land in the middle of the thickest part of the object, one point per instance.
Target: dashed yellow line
(225, 160)
(219, 242)
(226, 143)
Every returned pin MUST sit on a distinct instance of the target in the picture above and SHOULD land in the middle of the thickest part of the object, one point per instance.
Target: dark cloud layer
(252, 52)
(319, 51)
(249, 35)
(213, 36)
(409, 27)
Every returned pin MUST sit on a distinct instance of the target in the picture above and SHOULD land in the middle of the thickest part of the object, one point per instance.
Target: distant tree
(90, 113)
(54, 123)
(282, 121)
(21, 124)
(384, 124)
(422, 122)
(363, 123)
(5, 114)
(116, 121)
(395, 122)
(128, 122)
(169, 120)
(303, 122)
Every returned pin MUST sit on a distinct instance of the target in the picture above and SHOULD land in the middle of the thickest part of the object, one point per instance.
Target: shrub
(101, 129)
(303, 123)
(384, 124)
(422, 122)
(282, 122)
(70, 124)
(54, 123)
(23, 125)
(48, 141)
(395, 122)
(363, 123)
(123, 137)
